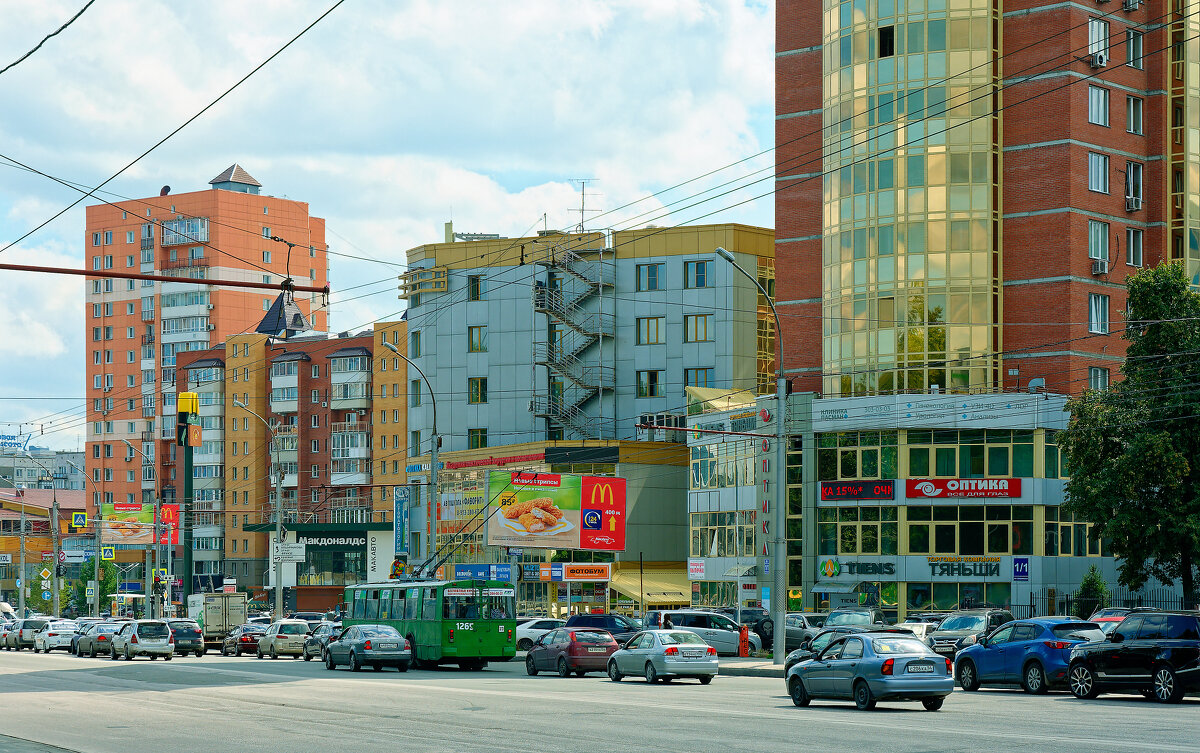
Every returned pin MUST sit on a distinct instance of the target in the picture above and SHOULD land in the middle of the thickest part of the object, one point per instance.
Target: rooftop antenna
(583, 210)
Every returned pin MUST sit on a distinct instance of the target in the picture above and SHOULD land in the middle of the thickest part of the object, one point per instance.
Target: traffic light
(60, 570)
(159, 586)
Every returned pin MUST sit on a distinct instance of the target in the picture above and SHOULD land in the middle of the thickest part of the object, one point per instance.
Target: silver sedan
(664, 655)
(871, 667)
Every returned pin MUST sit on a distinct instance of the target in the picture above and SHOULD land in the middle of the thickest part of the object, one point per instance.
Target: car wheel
(1082, 682)
(92, 653)
(329, 661)
(563, 669)
(274, 653)
(1034, 679)
(864, 699)
(112, 654)
(524, 644)
(968, 677)
(798, 692)
(402, 667)
(168, 657)
(307, 656)
(933, 704)
(580, 673)
(614, 674)
(1166, 685)
(530, 667)
(705, 679)
(258, 653)
(200, 652)
(651, 673)
(354, 665)
(153, 657)
(128, 656)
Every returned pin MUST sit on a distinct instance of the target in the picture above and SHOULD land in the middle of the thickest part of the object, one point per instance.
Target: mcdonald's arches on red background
(602, 513)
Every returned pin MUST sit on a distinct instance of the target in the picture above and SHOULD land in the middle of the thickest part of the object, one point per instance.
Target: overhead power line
(46, 38)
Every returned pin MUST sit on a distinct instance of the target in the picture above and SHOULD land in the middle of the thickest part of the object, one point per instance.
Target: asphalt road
(55, 703)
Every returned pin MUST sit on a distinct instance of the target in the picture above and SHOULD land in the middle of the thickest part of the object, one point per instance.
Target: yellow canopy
(663, 588)
(706, 399)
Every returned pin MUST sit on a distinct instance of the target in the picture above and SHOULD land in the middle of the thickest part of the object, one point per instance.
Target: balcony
(147, 315)
(147, 436)
(147, 244)
(198, 262)
(148, 339)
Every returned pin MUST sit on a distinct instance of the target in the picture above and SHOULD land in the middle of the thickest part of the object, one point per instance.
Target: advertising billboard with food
(133, 523)
(556, 511)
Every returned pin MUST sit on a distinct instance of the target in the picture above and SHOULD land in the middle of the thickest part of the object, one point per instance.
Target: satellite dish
(165, 190)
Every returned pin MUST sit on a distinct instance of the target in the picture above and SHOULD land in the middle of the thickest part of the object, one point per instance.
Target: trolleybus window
(499, 607)
(465, 607)
(411, 602)
(429, 611)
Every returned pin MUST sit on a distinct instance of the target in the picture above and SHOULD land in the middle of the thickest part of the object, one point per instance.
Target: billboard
(400, 521)
(555, 511)
(133, 523)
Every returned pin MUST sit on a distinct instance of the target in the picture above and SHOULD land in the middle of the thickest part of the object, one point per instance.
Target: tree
(1092, 594)
(108, 585)
(46, 606)
(1130, 449)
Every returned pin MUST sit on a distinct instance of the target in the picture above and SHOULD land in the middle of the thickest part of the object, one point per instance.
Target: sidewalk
(736, 666)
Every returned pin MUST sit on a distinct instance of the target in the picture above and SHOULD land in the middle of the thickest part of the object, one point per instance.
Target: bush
(1092, 594)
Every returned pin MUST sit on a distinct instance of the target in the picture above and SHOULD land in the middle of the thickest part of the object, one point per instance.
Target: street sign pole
(54, 539)
(189, 409)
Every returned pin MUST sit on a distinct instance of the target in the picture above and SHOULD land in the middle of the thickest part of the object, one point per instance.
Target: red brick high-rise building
(962, 188)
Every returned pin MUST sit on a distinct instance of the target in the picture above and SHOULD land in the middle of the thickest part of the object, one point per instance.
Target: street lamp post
(276, 482)
(779, 550)
(435, 443)
(22, 579)
(56, 607)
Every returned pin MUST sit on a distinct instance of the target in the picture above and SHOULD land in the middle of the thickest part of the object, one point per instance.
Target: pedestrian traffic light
(60, 570)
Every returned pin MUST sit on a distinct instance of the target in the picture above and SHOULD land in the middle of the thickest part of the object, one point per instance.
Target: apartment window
(414, 345)
(1133, 48)
(1133, 183)
(1097, 240)
(1097, 378)
(108, 262)
(316, 394)
(315, 422)
(316, 370)
(314, 445)
(649, 384)
(887, 41)
(649, 277)
(1098, 105)
(129, 333)
(108, 237)
(477, 390)
(1133, 115)
(476, 288)
(697, 274)
(1133, 247)
(1097, 37)
(414, 442)
(650, 330)
(698, 377)
(129, 236)
(476, 439)
(414, 393)
(266, 232)
(314, 471)
(267, 257)
(1098, 172)
(697, 328)
(1098, 313)
(95, 240)
(477, 339)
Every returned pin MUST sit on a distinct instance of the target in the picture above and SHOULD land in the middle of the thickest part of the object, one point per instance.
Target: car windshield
(622, 623)
(152, 630)
(884, 646)
(816, 620)
(849, 618)
(254, 628)
(592, 636)
(35, 624)
(61, 626)
(1078, 631)
(106, 629)
(1108, 627)
(184, 625)
(379, 631)
(972, 622)
(293, 629)
(670, 639)
(821, 641)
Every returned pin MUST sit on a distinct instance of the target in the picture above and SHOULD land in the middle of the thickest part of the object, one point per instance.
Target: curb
(771, 672)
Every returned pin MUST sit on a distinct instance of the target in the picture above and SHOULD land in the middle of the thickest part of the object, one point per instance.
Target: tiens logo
(928, 489)
(830, 568)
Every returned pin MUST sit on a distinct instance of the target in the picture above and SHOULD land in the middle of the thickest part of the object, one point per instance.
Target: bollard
(744, 641)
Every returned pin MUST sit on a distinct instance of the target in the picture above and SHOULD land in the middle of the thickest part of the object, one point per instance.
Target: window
(1098, 313)
(1133, 247)
(477, 339)
(698, 377)
(887, 41)
(650, 330)
(129, 236)
(108, 237)
(95, 240)
(1098, 105)
(1098, 172)
(697, 274)
(476, 288)
(649, 384)
(1097, 240)
(267, 257)
(1097, 378)
(414, 344)
(316, 421)
(315, 398)
(1133, 114)
(697, 328)
(1097, 37)
(477, 390)
(266, 232)
(414, 442)
(1133, 183)
(1133, 48)
(649, 277)
(414, 393)
(476, 439)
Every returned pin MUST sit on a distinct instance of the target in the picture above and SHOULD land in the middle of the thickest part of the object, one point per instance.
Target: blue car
(1031, 653)
(872, 667)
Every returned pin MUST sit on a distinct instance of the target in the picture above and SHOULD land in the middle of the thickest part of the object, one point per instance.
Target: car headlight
(968, 641)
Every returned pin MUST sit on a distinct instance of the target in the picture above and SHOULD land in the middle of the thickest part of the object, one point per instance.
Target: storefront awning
(829, 587)
(741, 571)
(668, 587)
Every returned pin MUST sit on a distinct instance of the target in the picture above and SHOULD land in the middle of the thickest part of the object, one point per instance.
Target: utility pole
(187, 437)
(24, 579)
(276, 473)
(54, 539)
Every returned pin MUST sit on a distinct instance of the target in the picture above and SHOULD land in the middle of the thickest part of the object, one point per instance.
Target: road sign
(46, 596)
(287, 552)
(89, 592)
(45, 573)
(46, 584)
(161, 573)
(108, 553)
(62, 556)
(79, 520)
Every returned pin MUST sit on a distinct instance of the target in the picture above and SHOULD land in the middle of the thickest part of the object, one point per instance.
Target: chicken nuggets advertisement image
(533, 510)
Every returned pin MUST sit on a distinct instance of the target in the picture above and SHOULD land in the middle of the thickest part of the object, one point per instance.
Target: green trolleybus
(465, 622)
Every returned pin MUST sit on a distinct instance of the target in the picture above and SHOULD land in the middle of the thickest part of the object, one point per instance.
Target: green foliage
(108, 585)
(1092, 594)
(46, 606)
(1131, 448)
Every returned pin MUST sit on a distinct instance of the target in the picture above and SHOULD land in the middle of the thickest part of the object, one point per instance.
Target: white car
(54, 635)
(151, 638)
(530, 630)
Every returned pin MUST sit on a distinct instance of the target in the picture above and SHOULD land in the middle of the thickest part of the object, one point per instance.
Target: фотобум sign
(962, 487)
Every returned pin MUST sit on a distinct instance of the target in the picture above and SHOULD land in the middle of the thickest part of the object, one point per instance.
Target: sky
(390, 117)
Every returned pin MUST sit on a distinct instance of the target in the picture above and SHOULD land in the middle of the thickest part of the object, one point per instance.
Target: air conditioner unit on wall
(1133, 203)
(1099, 60)
(1132, 4)
(1099, 266)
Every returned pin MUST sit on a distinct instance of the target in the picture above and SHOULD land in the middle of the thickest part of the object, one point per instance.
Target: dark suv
(1156, 654)
(619, 625)
(859, 616)
(964, 627)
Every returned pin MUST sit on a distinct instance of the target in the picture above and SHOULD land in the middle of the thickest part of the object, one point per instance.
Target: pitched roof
(235, 174)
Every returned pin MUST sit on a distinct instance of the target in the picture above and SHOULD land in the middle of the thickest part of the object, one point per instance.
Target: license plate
(595, 650)
(693, 654)
(387, 645)
(921, 668)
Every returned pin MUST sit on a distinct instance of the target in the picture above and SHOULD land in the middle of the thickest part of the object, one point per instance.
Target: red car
(565, 651)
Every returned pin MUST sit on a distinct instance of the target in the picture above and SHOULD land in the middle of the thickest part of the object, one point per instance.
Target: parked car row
(658, 655)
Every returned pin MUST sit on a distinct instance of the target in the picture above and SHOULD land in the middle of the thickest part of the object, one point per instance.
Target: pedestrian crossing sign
(79, 520)
(89, 592)
(108, 553)
(160, 573)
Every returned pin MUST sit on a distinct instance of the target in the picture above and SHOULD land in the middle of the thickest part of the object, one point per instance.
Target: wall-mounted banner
(963, 487)
(556, 511)
(133, 523)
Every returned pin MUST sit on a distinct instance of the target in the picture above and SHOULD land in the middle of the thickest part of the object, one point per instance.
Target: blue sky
(389, 118)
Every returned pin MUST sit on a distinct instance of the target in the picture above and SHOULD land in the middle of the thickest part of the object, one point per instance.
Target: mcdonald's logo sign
(602, 513)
